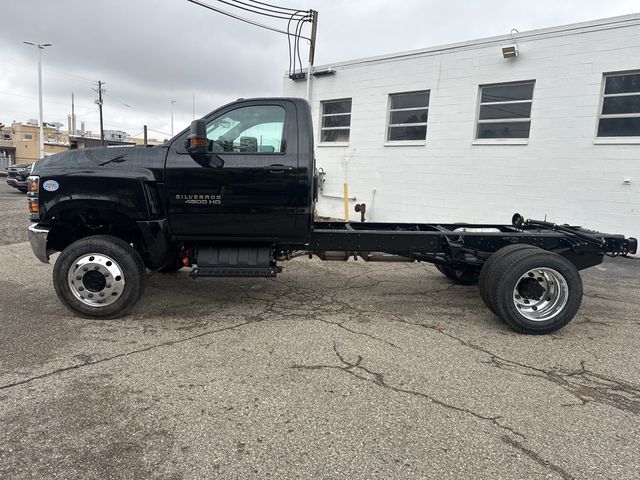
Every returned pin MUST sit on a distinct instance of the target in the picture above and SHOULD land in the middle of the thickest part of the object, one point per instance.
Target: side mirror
(196, 142)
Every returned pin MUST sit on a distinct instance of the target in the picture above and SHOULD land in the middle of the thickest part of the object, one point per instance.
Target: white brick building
(572, 165)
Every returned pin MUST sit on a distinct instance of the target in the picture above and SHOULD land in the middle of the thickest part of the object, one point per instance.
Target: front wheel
(99, 276)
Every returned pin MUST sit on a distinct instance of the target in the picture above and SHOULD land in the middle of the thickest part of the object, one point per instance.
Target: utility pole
(145, 134)
(73, 116)
(100, 91)
(41, 47)
(172, 102)
(312, 51)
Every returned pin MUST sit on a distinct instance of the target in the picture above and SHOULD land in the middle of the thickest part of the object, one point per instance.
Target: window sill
(333, 144)
(617, 141)
(505, 141)
(406, 143)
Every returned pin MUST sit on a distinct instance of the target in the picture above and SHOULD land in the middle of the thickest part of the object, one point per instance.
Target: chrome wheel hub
(540, 294)
(96, 280)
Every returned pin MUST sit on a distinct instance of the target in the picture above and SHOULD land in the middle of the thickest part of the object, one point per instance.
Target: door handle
(278, 168)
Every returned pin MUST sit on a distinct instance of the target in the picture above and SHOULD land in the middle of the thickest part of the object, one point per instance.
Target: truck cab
(254, 181)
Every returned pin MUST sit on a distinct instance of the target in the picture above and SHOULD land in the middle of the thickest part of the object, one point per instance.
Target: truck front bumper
(38, 239)
(16, 183)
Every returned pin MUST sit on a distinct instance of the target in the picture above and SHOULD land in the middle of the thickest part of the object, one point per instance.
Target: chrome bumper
(38, 240)
(14, 182)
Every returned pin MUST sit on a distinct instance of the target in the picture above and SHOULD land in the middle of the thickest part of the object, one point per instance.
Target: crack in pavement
(537, 458)
(585, 385)
(122, 355)
(359, 371)
(355, 332)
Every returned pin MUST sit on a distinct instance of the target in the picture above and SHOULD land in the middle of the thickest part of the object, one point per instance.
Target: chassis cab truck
(235, 194)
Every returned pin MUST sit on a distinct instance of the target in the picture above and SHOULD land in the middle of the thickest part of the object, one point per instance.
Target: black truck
(235, 194)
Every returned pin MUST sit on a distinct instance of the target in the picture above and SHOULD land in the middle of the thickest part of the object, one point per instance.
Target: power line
(282, 16)
(296, 43)
(35, 98)
(286, 13)
(55, 73)
(118, 99)
(157, 131)
(274, 6)
(242, 19)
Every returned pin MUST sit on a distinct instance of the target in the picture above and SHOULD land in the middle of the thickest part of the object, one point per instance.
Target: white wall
(560, 173)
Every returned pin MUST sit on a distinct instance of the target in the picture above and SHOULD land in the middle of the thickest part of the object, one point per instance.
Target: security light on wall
(512, 51)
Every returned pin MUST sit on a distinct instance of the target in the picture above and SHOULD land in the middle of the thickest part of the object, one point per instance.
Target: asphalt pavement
(331, 371)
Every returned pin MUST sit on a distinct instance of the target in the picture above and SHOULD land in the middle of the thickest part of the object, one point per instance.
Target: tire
(488, 268)
(99, 277)
(461, 276)
(535, 291)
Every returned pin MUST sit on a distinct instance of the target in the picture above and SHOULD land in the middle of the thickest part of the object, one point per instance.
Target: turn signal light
(198, 141)
(33, 186)
(33, 205)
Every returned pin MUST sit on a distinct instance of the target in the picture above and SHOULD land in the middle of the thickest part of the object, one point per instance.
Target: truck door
(250, 187)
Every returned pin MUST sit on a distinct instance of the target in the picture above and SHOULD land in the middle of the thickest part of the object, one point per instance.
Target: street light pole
(172, 102)
(41, 46)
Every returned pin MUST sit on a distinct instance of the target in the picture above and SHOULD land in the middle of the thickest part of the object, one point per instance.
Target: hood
(19, 166)
(108, 161)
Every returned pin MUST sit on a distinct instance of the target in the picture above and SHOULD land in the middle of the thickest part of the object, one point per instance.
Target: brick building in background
(471, 132)
(20, 143)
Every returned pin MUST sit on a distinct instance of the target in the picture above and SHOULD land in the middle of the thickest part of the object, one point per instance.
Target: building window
(620, 114)
(505, 110)
(336, 120)
(408, 113)
(27, 136)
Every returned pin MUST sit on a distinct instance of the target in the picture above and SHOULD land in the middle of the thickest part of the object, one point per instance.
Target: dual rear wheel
(534, 291)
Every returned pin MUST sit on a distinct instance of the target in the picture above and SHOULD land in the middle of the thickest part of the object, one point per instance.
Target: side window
(505, 110)
(257, 129)
(620, 115)
(335, 121)
(407, 117)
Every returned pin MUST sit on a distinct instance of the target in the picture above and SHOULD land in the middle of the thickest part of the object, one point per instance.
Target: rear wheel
(460, 275)
(99, 276)
(535, 291)
(489, 267)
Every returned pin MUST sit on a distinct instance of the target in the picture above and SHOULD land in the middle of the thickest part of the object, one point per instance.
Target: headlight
(33, 184)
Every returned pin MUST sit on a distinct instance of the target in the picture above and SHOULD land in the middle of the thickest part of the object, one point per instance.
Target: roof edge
(529, 35)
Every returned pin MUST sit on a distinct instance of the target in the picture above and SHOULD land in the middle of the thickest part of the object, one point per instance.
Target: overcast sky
(150, 52)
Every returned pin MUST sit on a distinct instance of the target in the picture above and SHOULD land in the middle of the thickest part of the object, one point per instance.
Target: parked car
(17, 175)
